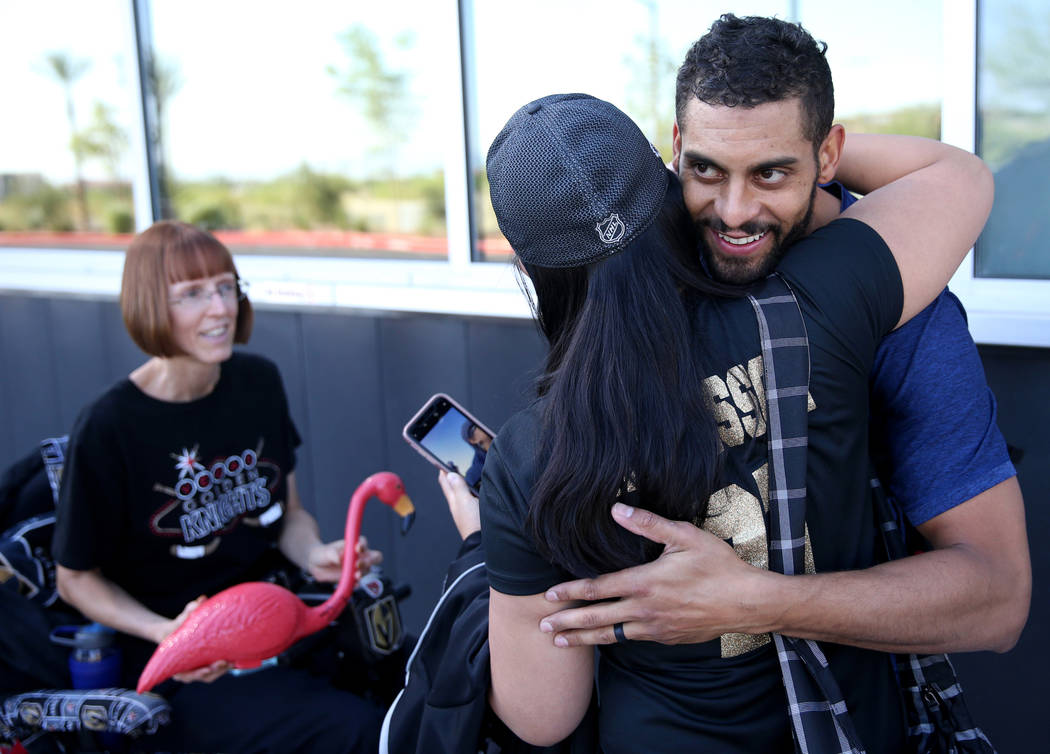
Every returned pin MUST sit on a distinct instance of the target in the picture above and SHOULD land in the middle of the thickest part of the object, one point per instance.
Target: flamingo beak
(404, 508)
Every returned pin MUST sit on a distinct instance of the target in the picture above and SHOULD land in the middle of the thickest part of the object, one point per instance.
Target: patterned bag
(99, 710)
(937, 717)
(26, 566)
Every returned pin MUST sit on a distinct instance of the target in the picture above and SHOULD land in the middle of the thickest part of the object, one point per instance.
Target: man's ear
(676, 147)
(829, 153)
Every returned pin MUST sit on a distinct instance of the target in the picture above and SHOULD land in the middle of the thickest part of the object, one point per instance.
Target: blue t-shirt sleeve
(839, 191)
(934, 435)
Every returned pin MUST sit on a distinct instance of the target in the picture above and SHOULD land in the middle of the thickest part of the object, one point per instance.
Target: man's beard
(739, 270)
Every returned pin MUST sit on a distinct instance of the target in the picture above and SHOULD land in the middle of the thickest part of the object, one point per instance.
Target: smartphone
(448, 436)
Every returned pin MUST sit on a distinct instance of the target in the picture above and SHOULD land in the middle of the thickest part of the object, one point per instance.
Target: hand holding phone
(462, 503)
(448, 436)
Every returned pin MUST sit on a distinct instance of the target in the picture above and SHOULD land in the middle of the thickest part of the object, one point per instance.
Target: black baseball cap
(573, 180)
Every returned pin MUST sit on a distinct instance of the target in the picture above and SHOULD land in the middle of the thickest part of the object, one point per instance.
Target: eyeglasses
(198, 298)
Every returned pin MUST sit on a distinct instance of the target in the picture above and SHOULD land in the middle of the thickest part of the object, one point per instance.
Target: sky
(256, 99)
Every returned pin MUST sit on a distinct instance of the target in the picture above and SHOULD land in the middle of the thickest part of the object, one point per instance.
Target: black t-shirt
(727, 695)
(175, 500)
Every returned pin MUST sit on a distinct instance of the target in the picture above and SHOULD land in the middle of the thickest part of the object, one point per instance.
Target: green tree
(915, 120)
(164, 80)
(106, 142)
(65, 69)
(379, 91)
(36, 206)
(103, 139)
(1022, 66)
(321, 194)
(650, 93)
(1016, 109)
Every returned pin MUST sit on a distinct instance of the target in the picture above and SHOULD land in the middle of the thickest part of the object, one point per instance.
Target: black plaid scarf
(819, 720)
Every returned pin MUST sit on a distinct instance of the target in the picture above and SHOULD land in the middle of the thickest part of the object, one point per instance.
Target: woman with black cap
(632, 400)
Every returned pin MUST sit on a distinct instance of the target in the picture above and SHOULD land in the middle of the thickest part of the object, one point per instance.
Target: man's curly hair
(745, 62)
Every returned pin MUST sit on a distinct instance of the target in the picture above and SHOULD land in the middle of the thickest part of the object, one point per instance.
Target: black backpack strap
(819, 720)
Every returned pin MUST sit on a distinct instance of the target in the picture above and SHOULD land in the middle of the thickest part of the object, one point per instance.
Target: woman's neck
(176, 379)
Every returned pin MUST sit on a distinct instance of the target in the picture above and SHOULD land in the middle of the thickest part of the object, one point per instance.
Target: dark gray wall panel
(1006, 691)
(420, 356)
(123, 356)
(345, 412)
(503, 361)
(82, 363)
(32, 405)
(278, 337)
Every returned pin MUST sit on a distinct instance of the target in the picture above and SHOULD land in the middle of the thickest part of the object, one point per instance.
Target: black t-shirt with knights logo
(175, 500)
(726, 695)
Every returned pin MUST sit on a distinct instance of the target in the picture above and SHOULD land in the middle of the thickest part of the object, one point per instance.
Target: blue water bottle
(94, 662)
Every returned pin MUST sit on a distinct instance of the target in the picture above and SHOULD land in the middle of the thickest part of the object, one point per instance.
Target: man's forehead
(769, 123)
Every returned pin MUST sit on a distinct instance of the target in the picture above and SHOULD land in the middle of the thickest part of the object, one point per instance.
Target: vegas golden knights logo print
(383, 621)
(736, 515)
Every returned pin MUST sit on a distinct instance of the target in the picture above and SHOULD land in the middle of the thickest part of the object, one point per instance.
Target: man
(478, 439)
(753, 139)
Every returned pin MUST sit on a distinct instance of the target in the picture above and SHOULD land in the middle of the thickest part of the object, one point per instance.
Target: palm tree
(165, 80)
(66, 70)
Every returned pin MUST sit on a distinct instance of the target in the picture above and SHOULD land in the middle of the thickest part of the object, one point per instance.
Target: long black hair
(621, 393)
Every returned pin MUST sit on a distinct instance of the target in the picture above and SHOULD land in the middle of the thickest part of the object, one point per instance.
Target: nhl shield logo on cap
(611, 229)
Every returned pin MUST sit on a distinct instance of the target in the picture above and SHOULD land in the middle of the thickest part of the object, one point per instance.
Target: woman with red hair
(180, 482)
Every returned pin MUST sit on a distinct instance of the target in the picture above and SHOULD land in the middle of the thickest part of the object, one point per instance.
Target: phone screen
(455, 440)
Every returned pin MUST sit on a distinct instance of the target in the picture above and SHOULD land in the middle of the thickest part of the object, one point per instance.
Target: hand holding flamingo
(325, 561)
(251, 622)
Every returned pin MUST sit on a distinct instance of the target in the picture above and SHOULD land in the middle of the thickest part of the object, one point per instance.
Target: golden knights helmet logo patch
(31, 713)
(383, 624)
(377, 614)
(94, 717)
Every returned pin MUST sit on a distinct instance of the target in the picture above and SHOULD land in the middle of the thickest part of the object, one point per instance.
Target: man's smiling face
(749, 178)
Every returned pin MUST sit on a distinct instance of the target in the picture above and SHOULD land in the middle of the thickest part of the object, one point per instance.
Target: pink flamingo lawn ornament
(251, 622)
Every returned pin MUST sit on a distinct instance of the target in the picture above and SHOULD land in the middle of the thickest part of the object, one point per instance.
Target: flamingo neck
(320, 616)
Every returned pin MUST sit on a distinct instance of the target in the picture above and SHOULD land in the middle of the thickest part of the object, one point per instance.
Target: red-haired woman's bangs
(195, 254)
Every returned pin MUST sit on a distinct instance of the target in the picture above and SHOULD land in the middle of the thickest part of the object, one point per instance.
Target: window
(307, 130)
(1008, 311)
(1013, 135)
(67, 133)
